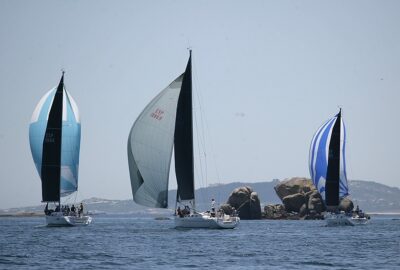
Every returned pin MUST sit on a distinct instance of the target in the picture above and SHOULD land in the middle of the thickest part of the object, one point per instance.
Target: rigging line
(349, 161)
(199, 153)
(201, 125)
(201, 138)
(206, 128)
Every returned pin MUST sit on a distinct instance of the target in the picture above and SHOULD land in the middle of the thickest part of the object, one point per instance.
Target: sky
(267, 74)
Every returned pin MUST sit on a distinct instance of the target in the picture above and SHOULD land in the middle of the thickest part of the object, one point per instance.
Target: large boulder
(301, 198)
(294, 202)
(346, 205)
(246, 202)
(315, 202)
(303, 211)
(294, 185)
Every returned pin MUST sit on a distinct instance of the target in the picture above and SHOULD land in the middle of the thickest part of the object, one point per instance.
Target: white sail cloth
(150, 145)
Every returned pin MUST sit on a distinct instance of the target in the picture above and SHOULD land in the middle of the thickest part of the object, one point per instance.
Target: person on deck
(234, 212)
(212, 205)
(80, 211)
(73, 209)
(186, 211)
(46, 209)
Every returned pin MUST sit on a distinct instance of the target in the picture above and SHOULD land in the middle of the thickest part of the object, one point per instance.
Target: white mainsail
(150, 145)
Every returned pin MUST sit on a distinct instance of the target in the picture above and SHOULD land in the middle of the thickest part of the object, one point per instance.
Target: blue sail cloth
(318, 158)
(71, 137)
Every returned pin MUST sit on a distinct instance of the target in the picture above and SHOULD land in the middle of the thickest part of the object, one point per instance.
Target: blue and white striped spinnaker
(70, 139)
(318, 159)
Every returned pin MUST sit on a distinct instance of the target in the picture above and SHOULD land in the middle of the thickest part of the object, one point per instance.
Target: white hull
(359, 220)
(58, 219)
(202, 220)
(341, 219)
(344, 220)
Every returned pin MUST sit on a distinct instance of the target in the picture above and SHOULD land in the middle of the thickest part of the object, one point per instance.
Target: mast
(333, 170)
(51, 156)
(183, 139)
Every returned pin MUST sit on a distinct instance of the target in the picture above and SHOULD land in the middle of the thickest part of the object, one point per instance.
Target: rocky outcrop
(315, 203)
(300, 199)
(290, 186)
(346, 205)
(278, 211)
(274, 211)
(246, 202)
(303, 211)
(226, 208)
(294, 202)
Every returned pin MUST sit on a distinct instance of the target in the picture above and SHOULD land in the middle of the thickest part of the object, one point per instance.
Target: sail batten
(327, 162)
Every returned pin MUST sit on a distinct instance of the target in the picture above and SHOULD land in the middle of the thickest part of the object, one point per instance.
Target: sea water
(133, 242)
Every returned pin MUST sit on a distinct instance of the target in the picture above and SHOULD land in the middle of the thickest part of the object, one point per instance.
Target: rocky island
(245, 201)
(300, 200)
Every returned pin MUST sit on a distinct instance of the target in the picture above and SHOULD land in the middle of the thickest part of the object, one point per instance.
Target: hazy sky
(267, 74)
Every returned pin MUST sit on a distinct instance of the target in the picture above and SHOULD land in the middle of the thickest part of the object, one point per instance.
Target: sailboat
(165, 124)
(327, 165)
(54, 136)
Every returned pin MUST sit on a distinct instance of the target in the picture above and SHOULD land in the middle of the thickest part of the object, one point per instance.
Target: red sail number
(158, 114)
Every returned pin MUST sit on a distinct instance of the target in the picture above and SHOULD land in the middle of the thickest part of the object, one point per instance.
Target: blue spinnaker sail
(318, 158)
(70, 139)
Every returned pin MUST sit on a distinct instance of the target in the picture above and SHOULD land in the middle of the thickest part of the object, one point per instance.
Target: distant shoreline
(379, 213)
(23, 214)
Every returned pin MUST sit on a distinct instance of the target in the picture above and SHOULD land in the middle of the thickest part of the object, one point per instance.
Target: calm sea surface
(118, 242)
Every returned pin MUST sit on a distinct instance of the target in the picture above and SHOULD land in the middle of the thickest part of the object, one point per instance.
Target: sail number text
(158, 114)
(49, 138)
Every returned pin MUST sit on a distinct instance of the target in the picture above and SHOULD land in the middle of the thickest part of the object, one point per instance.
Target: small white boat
(59, 219)
(357, 220)
(205, 220)
(340, 219)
